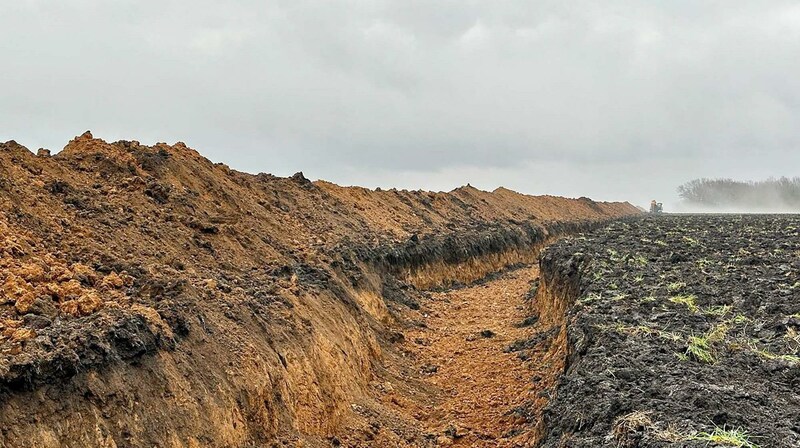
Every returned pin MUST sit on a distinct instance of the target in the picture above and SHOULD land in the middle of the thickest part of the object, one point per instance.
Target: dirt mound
(151, 297)
(682, 331)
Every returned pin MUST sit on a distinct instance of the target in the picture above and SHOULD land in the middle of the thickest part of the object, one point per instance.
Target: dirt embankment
(149, 297)
(679, 331)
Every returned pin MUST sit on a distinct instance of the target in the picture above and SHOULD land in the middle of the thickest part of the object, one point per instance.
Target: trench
(492, 351)
(445, 383)
(260, 309)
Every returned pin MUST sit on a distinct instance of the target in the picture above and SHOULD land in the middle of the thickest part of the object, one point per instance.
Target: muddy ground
(684, 332)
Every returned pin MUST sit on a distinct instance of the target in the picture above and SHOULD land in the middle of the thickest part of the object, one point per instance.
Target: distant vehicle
(656, 207)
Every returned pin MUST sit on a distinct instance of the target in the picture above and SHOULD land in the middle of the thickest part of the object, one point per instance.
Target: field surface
(685, 331)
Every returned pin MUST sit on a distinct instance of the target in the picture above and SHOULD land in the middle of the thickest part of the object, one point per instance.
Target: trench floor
(462, 352)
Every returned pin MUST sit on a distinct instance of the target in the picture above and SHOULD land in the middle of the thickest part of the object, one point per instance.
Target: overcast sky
(617, 100)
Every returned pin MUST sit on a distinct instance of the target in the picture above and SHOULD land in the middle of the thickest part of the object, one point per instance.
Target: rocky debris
(429, 369)
(529, 321)
(455, 431)
(300, 178)
(535, 341)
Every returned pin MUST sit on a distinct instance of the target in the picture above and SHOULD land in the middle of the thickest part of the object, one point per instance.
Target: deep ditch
(493, 340)
(153, 298)
(431, 263)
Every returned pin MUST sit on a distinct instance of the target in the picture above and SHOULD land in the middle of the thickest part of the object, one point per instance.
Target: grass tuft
(676, 286)
(736, 437)
(791, 359)
(589, 298)
(629, 424)
(699, 348)
(717, 310)
(740, 319)
(792, 338)
(669, 434)
(691, 241)
(718, 333)
(689, 300)
(639, 261)
(640, 330)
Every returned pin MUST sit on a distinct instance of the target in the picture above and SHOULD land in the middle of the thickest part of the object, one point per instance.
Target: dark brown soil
(683, 332)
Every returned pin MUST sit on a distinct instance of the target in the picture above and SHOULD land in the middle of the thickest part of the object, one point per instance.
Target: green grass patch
(718, 333)
(717, 310)
(766, 354)
(640, 330)
(736, 437)
(639, 260)
(589, 298)
(740, 319)
(676, 286)
(699, 349)
(688, 300)
(691, 241)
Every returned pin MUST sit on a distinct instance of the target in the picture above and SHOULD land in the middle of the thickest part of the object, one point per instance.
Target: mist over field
(731, 196)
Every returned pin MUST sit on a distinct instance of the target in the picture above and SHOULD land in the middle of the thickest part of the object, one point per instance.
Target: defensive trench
(490, 359)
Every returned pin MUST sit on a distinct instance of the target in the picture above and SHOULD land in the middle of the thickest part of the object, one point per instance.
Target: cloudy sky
(608, 99)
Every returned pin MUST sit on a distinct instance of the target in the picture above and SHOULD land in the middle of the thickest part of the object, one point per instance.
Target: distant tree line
(767, 194)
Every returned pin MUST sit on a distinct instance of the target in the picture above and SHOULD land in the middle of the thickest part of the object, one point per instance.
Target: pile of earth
(149, 297)
(682, 331)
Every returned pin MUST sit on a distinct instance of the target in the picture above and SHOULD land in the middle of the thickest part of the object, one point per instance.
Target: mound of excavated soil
(683, 331)
(149, 297)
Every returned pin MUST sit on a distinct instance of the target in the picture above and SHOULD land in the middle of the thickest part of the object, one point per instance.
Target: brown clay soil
(150, 297)
(463, 350)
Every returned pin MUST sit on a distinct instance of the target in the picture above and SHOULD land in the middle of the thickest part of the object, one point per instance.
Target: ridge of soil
(149, 297)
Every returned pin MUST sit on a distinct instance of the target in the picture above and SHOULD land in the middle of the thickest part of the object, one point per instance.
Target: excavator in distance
(656, 207)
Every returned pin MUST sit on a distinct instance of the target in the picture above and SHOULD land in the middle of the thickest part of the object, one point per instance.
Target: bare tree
(771, 193)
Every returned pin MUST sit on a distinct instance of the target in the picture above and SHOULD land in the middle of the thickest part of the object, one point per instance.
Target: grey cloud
(443, 93)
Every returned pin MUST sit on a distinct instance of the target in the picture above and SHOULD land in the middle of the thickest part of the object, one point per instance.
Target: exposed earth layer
(149, 297)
